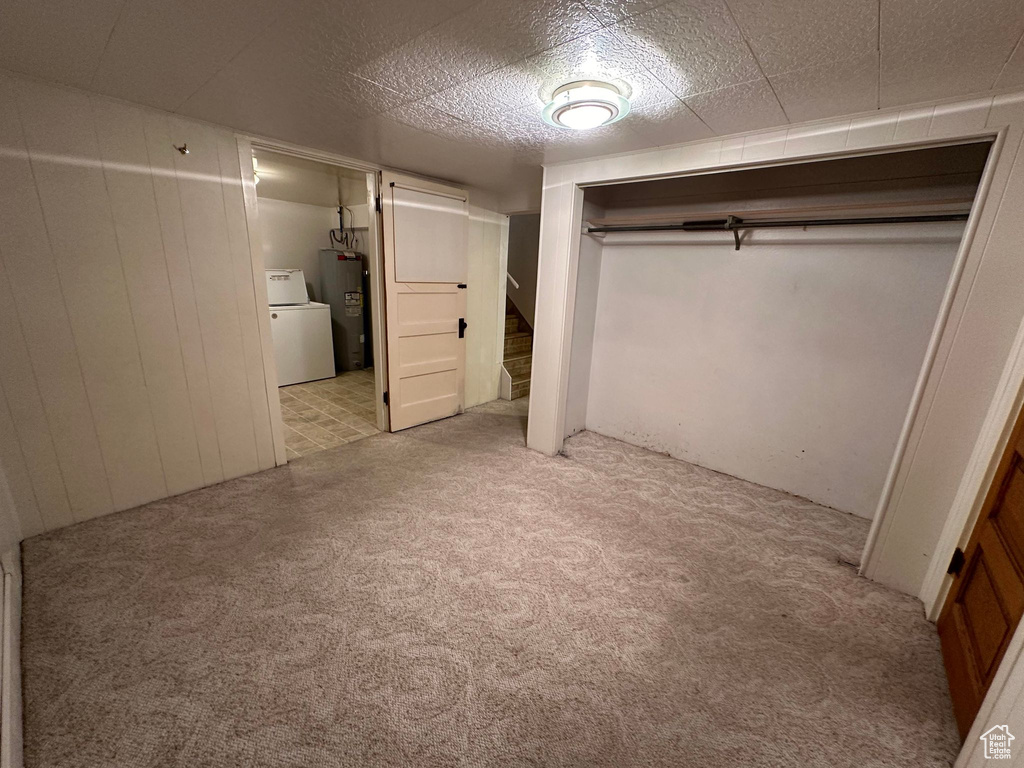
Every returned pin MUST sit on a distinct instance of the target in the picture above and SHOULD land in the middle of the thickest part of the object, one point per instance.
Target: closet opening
(320, 233)
(770, 323)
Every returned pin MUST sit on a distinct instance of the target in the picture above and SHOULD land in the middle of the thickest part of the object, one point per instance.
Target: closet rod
(734, 224)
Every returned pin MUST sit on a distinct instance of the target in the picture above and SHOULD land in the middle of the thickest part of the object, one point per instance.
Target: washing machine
(301, 329)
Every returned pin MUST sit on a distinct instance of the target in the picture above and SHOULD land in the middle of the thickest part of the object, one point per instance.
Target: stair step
(519, 365)
(511, 324)
(518, 344)
(521, 389)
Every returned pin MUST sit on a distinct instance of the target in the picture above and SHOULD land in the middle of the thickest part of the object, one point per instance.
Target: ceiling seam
(1002, 69)
(106, 44)
(642, 67)
(229, 62)
(757, 61)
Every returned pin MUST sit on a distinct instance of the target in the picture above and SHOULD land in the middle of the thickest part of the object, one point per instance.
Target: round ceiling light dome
(585, 104)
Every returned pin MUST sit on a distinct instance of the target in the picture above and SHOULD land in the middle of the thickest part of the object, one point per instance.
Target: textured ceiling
(453, 88)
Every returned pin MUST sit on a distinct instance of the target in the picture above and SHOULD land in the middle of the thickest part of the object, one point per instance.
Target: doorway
(320, 233)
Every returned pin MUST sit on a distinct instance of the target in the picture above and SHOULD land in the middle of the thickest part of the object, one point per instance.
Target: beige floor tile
(323, 414)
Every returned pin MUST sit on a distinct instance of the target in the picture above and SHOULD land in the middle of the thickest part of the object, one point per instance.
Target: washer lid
(298, 307)
(286, 286)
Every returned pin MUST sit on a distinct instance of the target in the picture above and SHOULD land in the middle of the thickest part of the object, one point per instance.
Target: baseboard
(11, 740)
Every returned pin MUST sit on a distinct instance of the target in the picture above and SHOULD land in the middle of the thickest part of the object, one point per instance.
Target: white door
(425, 242)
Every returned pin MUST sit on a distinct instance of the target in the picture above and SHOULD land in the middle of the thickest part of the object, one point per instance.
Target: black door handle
(462, 327)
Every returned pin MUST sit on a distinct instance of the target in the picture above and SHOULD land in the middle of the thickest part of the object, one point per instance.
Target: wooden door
(425, 264)
(986, 599)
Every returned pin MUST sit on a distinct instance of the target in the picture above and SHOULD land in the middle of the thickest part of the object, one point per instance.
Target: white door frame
(246, 144)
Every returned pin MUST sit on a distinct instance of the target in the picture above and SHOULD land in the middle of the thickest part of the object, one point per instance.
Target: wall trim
(11, 736)
(260, 295)
(944, 319)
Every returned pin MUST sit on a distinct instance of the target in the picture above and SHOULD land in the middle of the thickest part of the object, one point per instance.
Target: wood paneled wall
(132, 334)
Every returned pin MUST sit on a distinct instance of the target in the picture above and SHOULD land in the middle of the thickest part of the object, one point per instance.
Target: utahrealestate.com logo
(997, 742)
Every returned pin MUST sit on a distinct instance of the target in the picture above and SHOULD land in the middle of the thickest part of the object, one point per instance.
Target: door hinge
(956, 563)
(462, 327)
(378, 204)
(386, 397)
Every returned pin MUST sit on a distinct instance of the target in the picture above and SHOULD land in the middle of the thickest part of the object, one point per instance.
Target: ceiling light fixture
(585, 104)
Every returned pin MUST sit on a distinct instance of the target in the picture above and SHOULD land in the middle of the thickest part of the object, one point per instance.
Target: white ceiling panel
(744, 107)
(519, 85)
(411, 70)
(667, 123)
(610, 11)
(932, 49)
(597, 55)
(160, 53)
(454, 88)
(647, 92)
(59, 40)
(420, 115)
(787, 35)
(692, 47)
(848, 85)
(496, 33)
(607, 141)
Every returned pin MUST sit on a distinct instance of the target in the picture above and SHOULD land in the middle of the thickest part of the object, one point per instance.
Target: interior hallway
(444, 596)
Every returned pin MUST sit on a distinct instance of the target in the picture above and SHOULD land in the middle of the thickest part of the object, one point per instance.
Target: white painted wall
(485, 304)
(293, 234)
(588, 281)
(789, 363)
(130, 335)
(984, 313)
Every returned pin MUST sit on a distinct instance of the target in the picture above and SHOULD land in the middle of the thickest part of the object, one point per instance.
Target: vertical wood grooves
(129, 316)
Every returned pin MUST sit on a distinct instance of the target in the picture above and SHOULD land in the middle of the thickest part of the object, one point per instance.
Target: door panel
(986, 600)
(430, 236)
(424, 238)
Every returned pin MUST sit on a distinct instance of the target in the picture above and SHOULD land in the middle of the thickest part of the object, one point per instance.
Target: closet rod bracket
(730, 223)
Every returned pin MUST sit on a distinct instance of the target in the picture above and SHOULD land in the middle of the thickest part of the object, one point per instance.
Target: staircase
(518, 350)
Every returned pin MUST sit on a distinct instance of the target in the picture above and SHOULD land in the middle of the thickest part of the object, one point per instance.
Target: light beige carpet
(444, 597)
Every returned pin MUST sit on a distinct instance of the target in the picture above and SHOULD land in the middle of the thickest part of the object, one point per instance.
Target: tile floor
(326, 413)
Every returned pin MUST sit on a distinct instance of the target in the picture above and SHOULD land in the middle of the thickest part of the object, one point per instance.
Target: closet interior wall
(790, 362)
